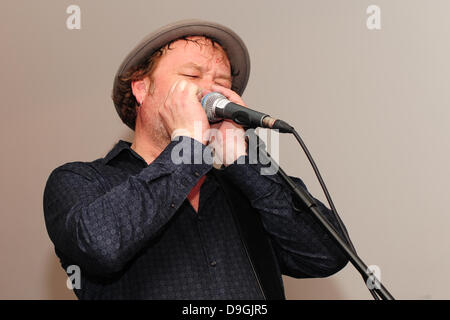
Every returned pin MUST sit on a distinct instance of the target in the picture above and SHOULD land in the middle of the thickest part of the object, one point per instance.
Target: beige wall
(373, 107)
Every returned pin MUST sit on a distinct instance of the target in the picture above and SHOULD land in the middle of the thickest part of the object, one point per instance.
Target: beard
(159, 133)
(151, 123)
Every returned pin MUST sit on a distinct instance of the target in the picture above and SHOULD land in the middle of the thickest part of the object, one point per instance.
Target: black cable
(324, 188)
(327, 195)
(374, 294)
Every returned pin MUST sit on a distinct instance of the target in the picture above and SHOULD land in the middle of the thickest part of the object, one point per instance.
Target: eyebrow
(200, 68)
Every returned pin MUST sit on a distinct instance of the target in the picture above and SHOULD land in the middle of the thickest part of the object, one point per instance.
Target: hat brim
(234, 46)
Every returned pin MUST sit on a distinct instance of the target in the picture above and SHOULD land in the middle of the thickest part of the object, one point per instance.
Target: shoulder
(71, 180)
(87, 170)
(72, 176)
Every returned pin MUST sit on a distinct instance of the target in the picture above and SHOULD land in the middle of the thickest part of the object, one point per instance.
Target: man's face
(198, 62)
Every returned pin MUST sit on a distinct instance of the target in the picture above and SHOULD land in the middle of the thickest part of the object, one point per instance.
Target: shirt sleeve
(303, 247)
(101, 230)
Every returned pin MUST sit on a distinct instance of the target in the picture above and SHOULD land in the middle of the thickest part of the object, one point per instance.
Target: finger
(181, 85)
(172, 89)
(231, 124)
(192, 90)
(199, 93)
(177, 88)
(168, 99)
(228, 93)
(225, 91)
(216, 125)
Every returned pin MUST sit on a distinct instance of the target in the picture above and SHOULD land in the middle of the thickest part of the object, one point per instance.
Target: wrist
(193, 134)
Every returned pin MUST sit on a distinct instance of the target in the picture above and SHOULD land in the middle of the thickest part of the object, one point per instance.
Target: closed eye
(190, 75)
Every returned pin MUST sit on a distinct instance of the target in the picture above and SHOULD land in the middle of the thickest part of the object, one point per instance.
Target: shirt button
(213, 264)
(172, 205)
(197, 174)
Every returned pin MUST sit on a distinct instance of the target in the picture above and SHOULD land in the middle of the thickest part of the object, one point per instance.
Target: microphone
(218, 107)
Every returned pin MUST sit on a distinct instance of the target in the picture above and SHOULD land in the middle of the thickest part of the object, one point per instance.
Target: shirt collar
(118, 148)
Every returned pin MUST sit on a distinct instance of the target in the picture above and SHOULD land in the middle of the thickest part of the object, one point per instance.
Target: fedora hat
(233, 45)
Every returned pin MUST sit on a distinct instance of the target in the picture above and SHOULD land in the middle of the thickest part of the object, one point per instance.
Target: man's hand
(182, 113)
(230, 143)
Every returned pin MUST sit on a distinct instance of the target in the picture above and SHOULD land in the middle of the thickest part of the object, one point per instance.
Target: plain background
(373, 107)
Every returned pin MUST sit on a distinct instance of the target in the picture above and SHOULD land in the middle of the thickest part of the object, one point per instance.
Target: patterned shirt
(134, 235)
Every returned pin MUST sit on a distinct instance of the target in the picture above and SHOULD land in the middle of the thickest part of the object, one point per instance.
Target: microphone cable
(327, 195)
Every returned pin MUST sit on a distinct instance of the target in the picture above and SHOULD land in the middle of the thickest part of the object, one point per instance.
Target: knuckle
(182, 85)
(166, 105)
(191, 87)
(174, 86)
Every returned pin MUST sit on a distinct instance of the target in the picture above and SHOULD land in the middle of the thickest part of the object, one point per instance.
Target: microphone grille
(209, 103)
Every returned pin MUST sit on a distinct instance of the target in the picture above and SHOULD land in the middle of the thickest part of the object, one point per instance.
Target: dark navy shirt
(134, 235)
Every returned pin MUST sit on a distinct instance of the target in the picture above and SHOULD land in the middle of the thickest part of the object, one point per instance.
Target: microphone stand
(304, 197)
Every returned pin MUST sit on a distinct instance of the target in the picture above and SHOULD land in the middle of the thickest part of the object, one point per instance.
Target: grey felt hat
(234, 46)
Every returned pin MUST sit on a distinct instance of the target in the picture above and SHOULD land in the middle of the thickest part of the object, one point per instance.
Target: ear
(140, 89)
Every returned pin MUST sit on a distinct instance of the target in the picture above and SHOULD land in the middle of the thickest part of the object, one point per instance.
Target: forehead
(199, 50)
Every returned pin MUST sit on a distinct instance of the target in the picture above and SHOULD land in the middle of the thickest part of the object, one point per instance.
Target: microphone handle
(250, 118)
(244, 116)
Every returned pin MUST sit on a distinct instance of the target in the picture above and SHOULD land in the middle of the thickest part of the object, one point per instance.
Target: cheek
(156, 95)
(161, 89)
(155, 100)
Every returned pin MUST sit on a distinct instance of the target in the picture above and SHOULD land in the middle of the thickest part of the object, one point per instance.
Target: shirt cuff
(183, 155)
(254, 179)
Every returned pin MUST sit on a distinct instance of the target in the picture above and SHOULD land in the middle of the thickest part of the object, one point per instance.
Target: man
(143, 226)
